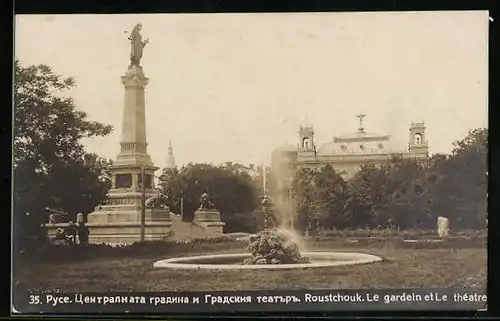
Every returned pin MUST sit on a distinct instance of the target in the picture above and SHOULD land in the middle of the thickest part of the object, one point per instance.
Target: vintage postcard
(250, 162)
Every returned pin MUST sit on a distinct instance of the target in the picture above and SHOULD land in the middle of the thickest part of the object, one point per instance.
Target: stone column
(135, 181)
(133, 139)
(133, 143)
(113, 182)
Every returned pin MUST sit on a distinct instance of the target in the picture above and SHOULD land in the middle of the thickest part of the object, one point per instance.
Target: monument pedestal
(123, 225)
(119, 220)
(210, 220)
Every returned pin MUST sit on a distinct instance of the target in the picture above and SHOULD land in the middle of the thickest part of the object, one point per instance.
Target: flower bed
(274, 247)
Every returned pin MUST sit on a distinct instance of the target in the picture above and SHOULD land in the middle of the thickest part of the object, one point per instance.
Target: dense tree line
(232, 191)
(403, 193)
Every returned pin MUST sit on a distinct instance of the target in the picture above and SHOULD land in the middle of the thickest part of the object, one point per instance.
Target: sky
(232, 87)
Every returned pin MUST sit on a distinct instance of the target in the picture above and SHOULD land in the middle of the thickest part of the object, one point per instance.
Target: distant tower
(306, 139)
(418, 146)
(170, 157)
(307, 148)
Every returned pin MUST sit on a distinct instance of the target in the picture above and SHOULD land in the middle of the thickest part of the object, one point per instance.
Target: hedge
(425, 239)
(50, 252)
(400, 242)
(406, 234)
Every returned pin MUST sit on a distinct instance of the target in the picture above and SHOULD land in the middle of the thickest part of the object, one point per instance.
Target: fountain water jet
(274, 245)
(278, 242)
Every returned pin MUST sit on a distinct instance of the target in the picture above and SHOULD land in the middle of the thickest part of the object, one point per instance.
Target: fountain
(276, 247)
(273, 245)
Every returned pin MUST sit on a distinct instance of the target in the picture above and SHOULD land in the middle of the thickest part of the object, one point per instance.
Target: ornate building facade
(347, 153)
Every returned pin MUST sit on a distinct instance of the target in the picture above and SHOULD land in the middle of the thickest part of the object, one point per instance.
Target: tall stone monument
(119, 220)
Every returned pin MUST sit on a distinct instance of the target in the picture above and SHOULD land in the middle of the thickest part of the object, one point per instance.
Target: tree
(232, 192)
(410, 193)
(88, 184)
(169, 184)
(462, 190)
(305, 194)
(47, 125)
(51, 167)
(367, 202)
(332, 195)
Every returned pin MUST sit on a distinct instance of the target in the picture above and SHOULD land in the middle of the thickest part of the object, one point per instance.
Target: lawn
(400, 268)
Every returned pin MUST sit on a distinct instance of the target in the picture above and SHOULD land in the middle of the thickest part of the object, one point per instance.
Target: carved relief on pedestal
(131, 148)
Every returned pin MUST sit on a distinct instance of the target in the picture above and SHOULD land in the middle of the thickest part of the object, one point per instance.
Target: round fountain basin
(234, 261)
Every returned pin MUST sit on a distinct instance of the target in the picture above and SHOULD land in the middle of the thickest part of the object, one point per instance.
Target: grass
(400, 268)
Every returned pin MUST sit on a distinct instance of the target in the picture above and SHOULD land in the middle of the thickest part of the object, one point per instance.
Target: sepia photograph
(250, 152)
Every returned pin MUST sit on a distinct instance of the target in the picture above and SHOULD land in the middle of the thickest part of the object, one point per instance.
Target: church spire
(170, 156)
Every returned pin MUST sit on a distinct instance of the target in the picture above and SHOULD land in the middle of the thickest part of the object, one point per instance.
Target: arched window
(306, 143)
(418, 139)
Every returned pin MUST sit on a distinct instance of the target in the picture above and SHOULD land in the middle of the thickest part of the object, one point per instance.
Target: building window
(343, 147)
(380, 146)
(306, 142)
(362, 147)
(418, 139)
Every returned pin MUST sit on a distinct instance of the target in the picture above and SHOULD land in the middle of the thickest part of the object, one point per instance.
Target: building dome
(360, 143)
(329, 148)
(361, 136)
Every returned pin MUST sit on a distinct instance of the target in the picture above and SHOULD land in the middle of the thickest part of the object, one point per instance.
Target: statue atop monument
(137, 45)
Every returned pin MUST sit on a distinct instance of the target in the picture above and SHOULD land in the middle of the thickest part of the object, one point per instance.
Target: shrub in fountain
(274, 246)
